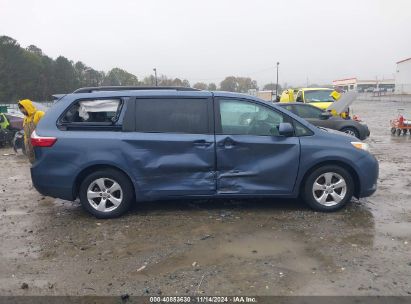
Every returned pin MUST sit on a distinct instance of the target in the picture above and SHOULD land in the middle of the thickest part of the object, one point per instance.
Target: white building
(350, 84)
(403, 77)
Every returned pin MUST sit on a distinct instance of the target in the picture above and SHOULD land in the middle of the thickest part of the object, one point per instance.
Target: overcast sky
(318, 40)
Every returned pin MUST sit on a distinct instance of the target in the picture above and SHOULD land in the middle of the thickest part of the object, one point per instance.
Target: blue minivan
(113, 146)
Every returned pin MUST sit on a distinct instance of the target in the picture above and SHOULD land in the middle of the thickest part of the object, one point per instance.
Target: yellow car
(321, 98)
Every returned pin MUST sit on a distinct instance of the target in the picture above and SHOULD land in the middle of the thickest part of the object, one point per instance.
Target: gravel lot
(258, 247)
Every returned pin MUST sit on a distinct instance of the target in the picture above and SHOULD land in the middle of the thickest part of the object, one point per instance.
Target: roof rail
(129, 88)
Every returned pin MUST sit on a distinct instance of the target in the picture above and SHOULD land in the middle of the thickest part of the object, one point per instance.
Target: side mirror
(286, 129)
(325, 115)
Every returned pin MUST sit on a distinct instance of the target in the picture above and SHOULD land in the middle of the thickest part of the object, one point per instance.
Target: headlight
(361, 145)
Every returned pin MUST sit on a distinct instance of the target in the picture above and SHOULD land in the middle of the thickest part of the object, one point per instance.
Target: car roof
(160, 93)
(156, 93)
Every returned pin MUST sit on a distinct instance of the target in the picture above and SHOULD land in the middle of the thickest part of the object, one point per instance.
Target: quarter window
(172, 116)
(239, 117)
(301, 130)
(100, 111)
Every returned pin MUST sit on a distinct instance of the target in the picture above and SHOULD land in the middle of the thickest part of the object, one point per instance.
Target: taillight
(41, 141)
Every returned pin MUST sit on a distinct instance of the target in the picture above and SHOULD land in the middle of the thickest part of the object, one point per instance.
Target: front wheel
(106, 193)
(328, 188)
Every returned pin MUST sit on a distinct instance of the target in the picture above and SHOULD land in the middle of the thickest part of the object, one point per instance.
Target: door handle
(202, 143)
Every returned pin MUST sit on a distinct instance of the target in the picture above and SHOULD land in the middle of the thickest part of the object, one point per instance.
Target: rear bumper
(50, 185)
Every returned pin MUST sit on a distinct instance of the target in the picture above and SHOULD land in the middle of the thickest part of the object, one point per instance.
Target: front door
(252, 158)
(172, 149)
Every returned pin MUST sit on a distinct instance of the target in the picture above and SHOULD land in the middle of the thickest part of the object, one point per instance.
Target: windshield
(318, 96)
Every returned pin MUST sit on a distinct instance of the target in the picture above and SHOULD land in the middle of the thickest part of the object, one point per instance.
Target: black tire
(398, 132)
(126, 191)
(308, 192)
(404, 131)
(393, 130)
(352, 131)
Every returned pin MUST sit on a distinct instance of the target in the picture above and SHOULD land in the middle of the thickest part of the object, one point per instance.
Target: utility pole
(276, 86)
(155, 75)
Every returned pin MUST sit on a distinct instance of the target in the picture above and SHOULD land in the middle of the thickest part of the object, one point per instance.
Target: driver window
(239, 117)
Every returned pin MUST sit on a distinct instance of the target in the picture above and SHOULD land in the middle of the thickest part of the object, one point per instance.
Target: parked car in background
(114, 146)
(324, 119)
(9, 125)
(318, 97)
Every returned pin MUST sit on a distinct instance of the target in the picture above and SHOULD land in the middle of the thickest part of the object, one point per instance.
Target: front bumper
(367, 170)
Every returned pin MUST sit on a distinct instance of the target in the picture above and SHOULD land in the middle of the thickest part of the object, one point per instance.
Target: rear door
(251, 156)
(172, 148)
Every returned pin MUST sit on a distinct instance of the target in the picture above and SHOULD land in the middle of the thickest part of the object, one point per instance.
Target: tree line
(29, 73)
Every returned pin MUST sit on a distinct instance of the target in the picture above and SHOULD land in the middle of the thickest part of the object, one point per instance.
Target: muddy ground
(257, 247)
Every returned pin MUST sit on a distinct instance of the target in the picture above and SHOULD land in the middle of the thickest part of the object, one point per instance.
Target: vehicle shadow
(220, 204)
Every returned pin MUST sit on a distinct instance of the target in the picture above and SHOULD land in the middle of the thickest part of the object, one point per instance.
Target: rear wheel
(351, 131)
(328, 188)
(393, 130)
(398, 132)
(106, 193)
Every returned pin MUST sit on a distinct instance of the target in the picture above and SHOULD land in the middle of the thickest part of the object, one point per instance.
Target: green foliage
(238, 84)
(164, 81)
(29, 73)
(272, 87)
(118, 77)
(212, 86)
(200, 86)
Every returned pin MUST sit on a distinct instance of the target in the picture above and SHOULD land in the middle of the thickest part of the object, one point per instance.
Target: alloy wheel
(329, 189)
(104, 194)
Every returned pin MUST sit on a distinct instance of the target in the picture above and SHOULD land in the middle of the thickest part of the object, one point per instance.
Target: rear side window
(99, 111)
(172, 116)
(308, 112)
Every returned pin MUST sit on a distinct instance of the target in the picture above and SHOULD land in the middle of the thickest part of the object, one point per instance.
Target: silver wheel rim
(329, 189)
(350, 132)
(104, 194)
